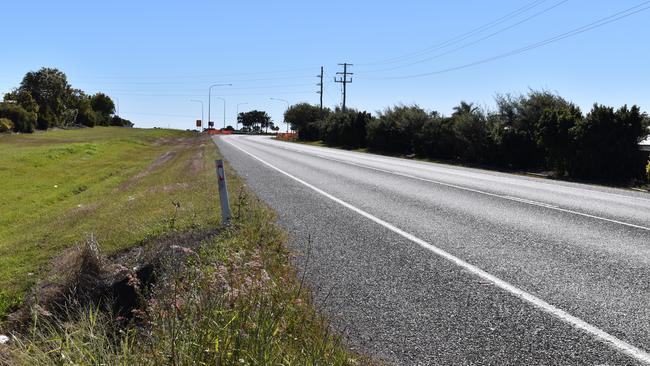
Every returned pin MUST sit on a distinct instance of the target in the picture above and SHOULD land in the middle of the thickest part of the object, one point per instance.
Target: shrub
(436, 139)
(647, 171)
(473, 141)
(396, 128)
(303, 118)
(23, 121)
(605, 145)
(554, 137)
(6, 125)
(346, 129)
(121, 122)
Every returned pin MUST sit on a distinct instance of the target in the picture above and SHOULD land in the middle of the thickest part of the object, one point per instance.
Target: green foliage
(347, 129)
(473, 142)
(605, 144)
(437, 138)
(50, 89)
(104, 108)
(23, 121)
(24, 99)
(47, 94)
(553, 135)
(305, 119)
(6, 125)
(118, 121)
(255, 120)
(396, 129)
(647, 171)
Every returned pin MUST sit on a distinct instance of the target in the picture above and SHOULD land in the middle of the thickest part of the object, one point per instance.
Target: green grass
(235, 301)
(60, 186)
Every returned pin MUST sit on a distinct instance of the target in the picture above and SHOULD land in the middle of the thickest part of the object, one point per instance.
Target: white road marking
(448, 169)
(509, 198)
(617, 344)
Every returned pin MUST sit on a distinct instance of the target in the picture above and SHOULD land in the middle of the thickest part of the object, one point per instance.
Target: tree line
(45, 100)
(255, 121)
(536, 131)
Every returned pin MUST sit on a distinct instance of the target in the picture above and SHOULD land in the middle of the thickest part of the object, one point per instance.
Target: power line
(344, 80)
(473, 42)
(460, 37)
(597, 24)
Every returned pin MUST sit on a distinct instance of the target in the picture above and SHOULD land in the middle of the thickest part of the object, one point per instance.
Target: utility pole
(321, 88)
(344, 80)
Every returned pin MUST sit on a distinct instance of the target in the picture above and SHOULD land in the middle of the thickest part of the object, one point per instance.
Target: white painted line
(449, 169)
(509, 198)
(617, 344)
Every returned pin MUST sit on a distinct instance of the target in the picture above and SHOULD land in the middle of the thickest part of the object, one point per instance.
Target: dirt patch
(197, 161)
(82, 276)
(160, 161)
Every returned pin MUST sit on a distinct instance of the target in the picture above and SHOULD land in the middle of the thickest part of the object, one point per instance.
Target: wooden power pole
(344, 80)
(321, 88)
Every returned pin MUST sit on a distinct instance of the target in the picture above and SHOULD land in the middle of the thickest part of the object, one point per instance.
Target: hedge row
(537, 131)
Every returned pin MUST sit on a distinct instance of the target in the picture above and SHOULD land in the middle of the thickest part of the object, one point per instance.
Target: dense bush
(536, 131)
(473, 143)
(346, 129)
(121, 122)
(306, 119)
(6, 125)
(23, 121)
(54, 103)
(395, 130)
(605, 144)
(436, 139)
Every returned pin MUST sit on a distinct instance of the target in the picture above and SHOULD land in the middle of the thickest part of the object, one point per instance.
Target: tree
(304, 118)
(473, 141)
(23, 98)
(254, 120)
(50, 89)
(436, 139)
(103, 105)
(22, 120)
(605, 144)
(396, 129)
(347, 129)
(553, 135)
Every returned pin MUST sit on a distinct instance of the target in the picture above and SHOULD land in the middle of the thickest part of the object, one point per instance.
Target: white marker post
(223, 192)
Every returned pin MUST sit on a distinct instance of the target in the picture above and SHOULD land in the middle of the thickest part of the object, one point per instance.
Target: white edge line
(509, 198)
(620, 345)
(373, 157)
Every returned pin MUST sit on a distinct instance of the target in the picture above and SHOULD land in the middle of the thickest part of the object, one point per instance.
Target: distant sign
(199, 123)
(210, 124)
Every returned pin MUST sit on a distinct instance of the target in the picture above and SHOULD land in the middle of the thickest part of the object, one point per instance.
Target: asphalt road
(428, 264)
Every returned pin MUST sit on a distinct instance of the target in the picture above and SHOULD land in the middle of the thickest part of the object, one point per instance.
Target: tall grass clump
(230, 299)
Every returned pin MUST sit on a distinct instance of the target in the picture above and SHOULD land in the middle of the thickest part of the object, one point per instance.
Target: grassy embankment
(236, 300)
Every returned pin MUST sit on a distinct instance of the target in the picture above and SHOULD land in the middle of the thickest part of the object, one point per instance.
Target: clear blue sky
(154, 56)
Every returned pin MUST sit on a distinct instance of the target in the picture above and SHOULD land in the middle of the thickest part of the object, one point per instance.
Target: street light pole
(199, 101)
(210, 98)
(286, 101)
(224, 111)
(237, 115)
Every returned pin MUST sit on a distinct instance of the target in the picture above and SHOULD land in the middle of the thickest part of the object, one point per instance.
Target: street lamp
(224, 111)
(199, 101)
(286, 101)
(237, 115)
(210, 99)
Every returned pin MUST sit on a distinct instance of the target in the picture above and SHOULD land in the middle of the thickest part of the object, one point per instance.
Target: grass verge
(230, 297)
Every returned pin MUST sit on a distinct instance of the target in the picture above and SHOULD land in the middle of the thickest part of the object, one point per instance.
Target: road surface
(420, 263)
